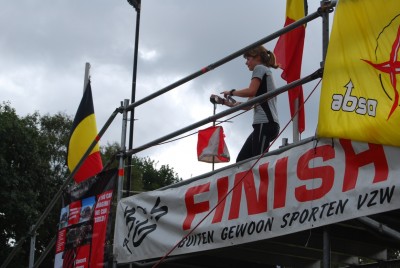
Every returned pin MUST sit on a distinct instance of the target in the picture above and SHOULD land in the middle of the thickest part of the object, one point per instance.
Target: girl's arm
(245, 92)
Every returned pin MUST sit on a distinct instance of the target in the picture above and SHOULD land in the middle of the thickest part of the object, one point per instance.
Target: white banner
(315, 184)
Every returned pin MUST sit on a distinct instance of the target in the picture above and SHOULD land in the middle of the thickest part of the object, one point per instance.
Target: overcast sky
(44, 46)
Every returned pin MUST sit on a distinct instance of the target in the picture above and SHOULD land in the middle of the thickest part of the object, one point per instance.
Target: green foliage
(153, 178)
(32, 169)
(144, 173)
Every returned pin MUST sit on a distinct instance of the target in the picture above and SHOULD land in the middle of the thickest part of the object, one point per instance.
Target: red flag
(211, 147)
(83, 133)
(289, 54)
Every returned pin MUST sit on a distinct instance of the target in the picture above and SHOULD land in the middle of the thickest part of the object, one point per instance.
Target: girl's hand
(228, 92)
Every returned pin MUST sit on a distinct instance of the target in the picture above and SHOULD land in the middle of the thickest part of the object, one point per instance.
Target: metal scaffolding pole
(137, 5)
(121, 157)
(326, 6)
(32, 248)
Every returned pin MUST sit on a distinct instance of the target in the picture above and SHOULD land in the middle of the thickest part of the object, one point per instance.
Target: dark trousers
(259, 140)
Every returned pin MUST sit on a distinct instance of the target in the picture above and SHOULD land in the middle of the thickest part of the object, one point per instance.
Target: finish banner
(84, 231)
(314, 184)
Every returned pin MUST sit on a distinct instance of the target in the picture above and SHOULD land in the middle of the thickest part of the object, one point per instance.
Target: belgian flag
(83, 133)
(289, 54)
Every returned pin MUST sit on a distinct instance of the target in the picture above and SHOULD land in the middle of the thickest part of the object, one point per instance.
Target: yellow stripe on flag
(361, 81)
(83, 135)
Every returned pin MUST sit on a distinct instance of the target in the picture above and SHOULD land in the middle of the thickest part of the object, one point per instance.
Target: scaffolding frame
(326, 7)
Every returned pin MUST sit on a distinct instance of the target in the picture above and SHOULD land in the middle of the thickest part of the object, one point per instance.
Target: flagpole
(214, 110)
(86, 78)
(296, 134)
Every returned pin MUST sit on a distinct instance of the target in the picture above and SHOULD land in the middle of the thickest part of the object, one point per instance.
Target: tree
(155, 179)
(145, 175)
(32, 169)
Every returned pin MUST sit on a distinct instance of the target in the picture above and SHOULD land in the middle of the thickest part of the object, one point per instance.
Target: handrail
(215, 117)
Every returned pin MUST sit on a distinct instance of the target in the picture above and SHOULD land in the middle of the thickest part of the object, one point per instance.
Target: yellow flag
(361, 81)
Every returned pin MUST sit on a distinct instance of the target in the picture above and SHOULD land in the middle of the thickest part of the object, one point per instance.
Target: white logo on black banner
(140, 223)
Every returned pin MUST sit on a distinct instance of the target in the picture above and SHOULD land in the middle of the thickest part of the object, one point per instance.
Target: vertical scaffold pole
(326, 260)
(123, 149)
(121, 159)
(214, 110)
(137, 5)
(32, 247)
(325, 31)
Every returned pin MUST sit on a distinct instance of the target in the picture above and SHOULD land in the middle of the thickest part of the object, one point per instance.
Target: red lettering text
(245, 180)
(193, 208)
(374, 155)
(280, 182)
(325, 173)
(222, 186)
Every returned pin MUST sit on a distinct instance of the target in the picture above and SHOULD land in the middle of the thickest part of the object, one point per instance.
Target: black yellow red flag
(360, 89)
(83, 133)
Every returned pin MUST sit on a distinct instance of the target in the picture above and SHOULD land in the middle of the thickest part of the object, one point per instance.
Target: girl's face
(251, 62)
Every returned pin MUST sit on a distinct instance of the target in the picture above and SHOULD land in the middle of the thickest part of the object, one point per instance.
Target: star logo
(391, 66)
